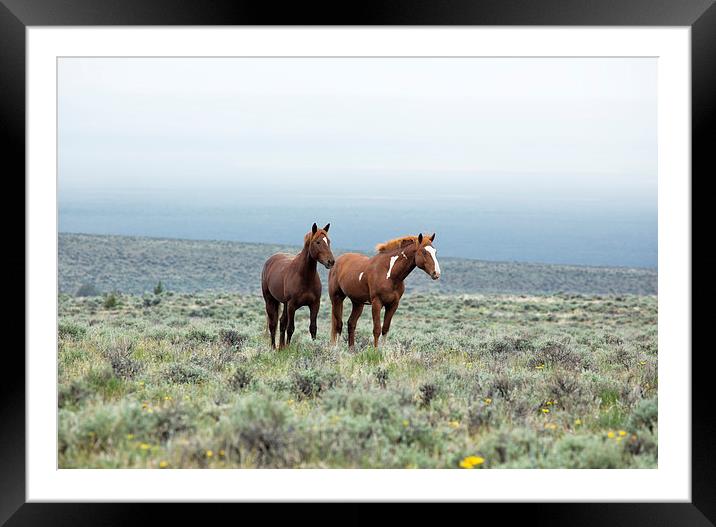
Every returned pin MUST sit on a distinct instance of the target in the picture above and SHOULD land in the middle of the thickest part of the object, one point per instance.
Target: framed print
(422, 255)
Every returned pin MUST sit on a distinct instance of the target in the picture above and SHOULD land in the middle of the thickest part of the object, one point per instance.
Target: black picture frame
(16, 15)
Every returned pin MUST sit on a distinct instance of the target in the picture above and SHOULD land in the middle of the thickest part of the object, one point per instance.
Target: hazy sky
(550, 160)
(566, 125)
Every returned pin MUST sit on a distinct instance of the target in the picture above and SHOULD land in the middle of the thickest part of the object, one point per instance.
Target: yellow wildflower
(611, 434)
(622, 433)
(577, 421)
(454, 424)
(222, 453)
(144, 446)
(545, 410)
(550, 426)
(406, 422)
(539, 366)
(472, 461)
(130, 436)
(488, 400)
(209, 453)
(163, 464)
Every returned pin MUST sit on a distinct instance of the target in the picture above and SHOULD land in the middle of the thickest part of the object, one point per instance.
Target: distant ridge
(134, 264)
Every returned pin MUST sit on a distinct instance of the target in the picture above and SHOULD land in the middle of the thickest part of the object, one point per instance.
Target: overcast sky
(451, 125)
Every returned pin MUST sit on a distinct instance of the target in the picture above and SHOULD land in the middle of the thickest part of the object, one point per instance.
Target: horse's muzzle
(435, 275)
(329, 264)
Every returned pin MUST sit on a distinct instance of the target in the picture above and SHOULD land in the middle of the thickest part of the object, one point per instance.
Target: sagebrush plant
(471, 381)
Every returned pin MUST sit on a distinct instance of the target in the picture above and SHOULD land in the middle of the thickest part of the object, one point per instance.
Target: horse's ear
(328, 226)
(432, 238)
(420, 238)
(314, 228)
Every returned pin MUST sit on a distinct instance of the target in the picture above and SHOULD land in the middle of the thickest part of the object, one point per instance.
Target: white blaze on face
(324, 239)
(360, 277)
(432, 251)
(392, 263)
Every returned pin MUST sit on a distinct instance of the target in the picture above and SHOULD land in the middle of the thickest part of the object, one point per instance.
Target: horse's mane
(395, 243)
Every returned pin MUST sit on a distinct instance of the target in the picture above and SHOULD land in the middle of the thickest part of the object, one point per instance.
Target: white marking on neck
(360, 277)
(432, 252)
(324, 239)
(392, 263)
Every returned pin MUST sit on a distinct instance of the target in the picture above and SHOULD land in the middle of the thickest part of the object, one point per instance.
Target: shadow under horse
(377, 281)
(294, 282)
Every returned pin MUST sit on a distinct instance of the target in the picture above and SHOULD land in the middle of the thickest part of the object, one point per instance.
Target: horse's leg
(272, 316)
(290, 327)
(389, 312)
(284, 323)
(336, 316)
(353, 322)
(377, 305)
(313, 327)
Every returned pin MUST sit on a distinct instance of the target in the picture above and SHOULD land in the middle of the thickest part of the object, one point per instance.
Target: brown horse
(377, 281)
(294, 282)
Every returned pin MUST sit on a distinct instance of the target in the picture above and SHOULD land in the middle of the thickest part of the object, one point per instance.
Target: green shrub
(312, 383)
(71, 330)
(260, 430)
(644, 415)
(185, 373)
(111, 300)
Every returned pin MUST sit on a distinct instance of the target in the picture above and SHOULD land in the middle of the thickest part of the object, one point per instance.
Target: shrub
(555, 353)
(170, 420)
(199, 335)
(232, 338)
(185, 373)
(118, 354)
(587, 452)
(159, 288)
(240, 379)
(71, 330)
(381, 376)
(260, 430)
(313, 382)
(110, 301)
(428, 392)
(149, 301)
(645, 415)
(479, 417)
(506, 345)
(72, 394)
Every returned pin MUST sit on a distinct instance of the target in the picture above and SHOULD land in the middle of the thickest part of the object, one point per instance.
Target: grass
(491, 381)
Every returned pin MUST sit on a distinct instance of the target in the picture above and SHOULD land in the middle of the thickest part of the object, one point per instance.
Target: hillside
(135, 264)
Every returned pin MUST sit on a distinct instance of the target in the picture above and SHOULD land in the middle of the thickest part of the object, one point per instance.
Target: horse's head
(425, 257)
(319, 245)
